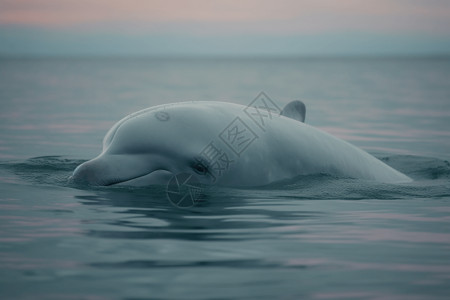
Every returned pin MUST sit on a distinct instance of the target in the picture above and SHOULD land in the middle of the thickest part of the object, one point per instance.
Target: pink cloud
(263, 16)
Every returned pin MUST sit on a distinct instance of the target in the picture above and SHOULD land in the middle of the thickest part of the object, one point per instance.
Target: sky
(232, 28)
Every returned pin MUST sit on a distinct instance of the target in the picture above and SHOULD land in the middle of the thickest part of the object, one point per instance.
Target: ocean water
(315, 237)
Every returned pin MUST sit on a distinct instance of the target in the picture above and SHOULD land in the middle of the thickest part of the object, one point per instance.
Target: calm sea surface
(317, 237)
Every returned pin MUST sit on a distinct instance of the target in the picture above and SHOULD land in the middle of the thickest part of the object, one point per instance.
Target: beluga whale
(225, 144)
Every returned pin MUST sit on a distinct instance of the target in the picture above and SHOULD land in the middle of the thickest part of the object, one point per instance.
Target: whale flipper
(295, 110)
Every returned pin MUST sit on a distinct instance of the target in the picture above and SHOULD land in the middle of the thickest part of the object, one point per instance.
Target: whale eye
(200, 168)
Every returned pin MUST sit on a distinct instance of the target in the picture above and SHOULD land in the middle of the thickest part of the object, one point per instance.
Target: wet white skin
(206, 139)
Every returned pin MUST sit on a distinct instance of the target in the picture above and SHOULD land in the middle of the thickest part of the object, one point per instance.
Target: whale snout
(117, 169)
(89, 173)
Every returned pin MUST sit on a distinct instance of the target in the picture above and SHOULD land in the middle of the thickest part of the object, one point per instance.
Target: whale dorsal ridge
(295, 110)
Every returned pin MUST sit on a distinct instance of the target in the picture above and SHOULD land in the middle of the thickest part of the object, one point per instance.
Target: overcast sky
(234, 27)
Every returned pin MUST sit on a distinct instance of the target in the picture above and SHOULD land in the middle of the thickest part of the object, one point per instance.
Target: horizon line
(436, 55)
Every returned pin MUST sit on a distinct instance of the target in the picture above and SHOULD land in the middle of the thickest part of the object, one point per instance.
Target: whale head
(151, 146)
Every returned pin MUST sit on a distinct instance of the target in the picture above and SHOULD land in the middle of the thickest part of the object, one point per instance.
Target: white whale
(225, 144)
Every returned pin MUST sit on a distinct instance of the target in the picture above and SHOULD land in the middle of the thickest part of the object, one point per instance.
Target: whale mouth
(83, 175)
(156, 177)
(120, 170)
